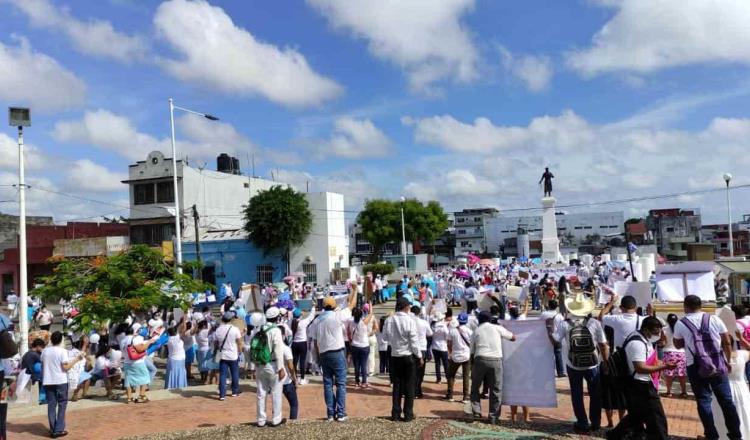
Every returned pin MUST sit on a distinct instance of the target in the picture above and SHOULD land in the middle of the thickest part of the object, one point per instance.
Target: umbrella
(289, 279)
(487, 262)
(462, 274)
(297, 274)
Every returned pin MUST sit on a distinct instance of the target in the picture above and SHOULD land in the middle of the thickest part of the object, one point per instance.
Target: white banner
(641, 291)
(555, 273)
(528, 366)
(671, 286)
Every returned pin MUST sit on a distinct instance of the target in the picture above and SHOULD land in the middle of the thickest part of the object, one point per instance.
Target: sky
(460, 101)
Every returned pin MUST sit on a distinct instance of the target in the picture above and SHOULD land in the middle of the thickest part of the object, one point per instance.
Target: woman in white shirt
(440, 345)
(191, 346)
(299, 341)
(201, 338)
(384, 353)
(360, 345)
(676, 356)
(176, 376)
(372, 330)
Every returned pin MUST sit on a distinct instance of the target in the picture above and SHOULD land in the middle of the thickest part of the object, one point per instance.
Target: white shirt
(229, 350)
(460, 339)
(360, 335)
(202, 339)
(302, 324)
(638, 350)
(486, 342)
(623, 325)
(44, 318)
(402, 335)
(471, 294)
(100, 364)
(127, 340)
(561, 335)
(329, 332)
(423, 332)
(176, 348)
(287, 356)
(715, 326)
(669, 346)
(52, 365)
(440, 336)
(555, 314)
(276, 344)
(382, 342)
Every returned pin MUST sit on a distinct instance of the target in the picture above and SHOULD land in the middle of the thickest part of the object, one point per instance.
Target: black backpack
(582, 351)
(617, 364)
(8, 347)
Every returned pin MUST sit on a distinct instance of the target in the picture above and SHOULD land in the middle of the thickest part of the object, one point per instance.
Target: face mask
(654, 339)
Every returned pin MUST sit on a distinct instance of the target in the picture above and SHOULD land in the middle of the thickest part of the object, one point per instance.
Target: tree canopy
(277, 219)
(106, 289)
(380, 221)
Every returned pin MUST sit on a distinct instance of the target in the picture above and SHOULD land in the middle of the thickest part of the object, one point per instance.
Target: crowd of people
(452, 317)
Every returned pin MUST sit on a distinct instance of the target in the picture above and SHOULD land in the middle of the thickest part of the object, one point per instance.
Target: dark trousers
(559, 362)
(465, 372)
(384, 359)
(594, 386)
(441, 357)
(470, 306)
(299, 356)
(420, 375)
(3, 411)
(290, 393)
(45, 327)
(57, 401)
(229, 368)
(404, 371)
(718, 386)
(644, 407)
(360, 356)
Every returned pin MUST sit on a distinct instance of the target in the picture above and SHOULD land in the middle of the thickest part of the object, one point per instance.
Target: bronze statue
(547, 178)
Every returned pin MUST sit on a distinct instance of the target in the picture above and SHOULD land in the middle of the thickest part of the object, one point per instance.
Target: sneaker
(303, 382)
(449, 398)
(341, 419)
(330, 419)
(221, 399)
(235, 395)
(275, 425)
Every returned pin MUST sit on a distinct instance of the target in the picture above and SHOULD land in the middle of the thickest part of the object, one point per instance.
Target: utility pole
(196, 217)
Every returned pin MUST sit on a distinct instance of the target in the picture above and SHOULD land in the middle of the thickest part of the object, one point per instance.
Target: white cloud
(648, 35)
(33, 158)
(454, 183)
(354, 184)
(535, 72)
(93, 37)
(355, 139)
(217, 53)
(37, 80)
(89, 176)
(425, 38)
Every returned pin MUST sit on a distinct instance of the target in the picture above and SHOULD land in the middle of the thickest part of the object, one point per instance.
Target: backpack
(260, 349)
(582, 352)
(8, 347)
(708, 355)
(617, 364)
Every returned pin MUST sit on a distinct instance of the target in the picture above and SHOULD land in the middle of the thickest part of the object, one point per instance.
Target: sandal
(113, 397)
(142, 399)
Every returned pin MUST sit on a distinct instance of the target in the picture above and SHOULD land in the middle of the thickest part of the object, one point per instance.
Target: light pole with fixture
(403, 235)
(21, 117)
(727, 179)
(178, 232)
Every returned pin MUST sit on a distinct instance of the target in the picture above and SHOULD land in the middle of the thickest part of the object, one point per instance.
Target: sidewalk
(196, 407)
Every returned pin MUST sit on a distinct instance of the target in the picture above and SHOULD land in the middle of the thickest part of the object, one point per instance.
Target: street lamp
(403, 235)
(727, 179)
(178, 234)
(21, 117)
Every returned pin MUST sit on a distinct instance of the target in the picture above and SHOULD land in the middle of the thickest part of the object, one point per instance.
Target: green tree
(382, 269)
(107, 289)
(278, 218)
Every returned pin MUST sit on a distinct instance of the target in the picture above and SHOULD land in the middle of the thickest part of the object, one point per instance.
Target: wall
(9, 228)
(235, 260)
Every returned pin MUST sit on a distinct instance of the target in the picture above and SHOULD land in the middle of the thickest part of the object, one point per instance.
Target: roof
(637, 228)
(735, 266)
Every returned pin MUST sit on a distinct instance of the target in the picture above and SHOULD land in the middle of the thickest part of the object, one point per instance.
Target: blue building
(229, 257)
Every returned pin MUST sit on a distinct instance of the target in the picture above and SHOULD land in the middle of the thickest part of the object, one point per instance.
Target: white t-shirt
(423, 332)
(669, 346)
(360, 337)
(202, 339)
(471, 294)
(52, 365)
(176, 347)
(440, 336)
(44, 318)
(382, 342)
(555, 314)
(639, 350)
(287, 357)
(461, 350)
(329, 332)
(623, 325)
(715, 326)
(561, 334)
(115, 358)
(100, 364)
(486, 342)
(229, 348)
(302, 324)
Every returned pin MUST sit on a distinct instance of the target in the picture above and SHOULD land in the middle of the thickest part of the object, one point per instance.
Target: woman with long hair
(673, 355)
(176, 376)
(201, 338)
(360, 345)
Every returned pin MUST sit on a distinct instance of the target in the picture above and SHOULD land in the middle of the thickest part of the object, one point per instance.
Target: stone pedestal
(550, 242)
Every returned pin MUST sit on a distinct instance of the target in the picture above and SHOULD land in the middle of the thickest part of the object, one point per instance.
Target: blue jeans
(719, 386)
(226, 368)
(535, 303)
(359, 358)
(441, 357)
(151, 367)
(290, 392)
(333, 364)
(57, 401)
(594, 386)
(559, 362)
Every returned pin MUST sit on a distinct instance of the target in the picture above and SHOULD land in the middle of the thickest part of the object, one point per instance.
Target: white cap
(272, 312)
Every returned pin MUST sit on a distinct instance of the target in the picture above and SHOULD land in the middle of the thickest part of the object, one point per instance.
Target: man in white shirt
(329, 346)
(554, 318)
(715, 338)
(440, 343)
(403, 337)
(487, 351)
(423, 332)
(378, 289)
(644, 405)
(270, 376)
(624, 323)
(228, 340)
(459, 348)
(55, 365)
(470, 295)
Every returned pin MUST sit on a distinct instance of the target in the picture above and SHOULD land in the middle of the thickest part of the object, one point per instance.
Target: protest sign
(305, 305)
(528, 375)
(674, 287)
(177, 314)
(641, 291)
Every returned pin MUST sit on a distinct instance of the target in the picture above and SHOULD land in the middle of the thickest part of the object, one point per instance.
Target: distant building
(470, 227)
(673, 229)
(718, 235)
(361, 250)
(639, 233)
(9, 228)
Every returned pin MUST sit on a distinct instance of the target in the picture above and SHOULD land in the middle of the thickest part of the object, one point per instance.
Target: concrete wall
(90, 247)
(9, 228)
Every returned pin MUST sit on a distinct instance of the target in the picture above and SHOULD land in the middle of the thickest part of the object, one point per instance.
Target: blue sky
(463, 101)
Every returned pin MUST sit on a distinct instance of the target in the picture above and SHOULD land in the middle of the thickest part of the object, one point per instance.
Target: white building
(571, 228)
(471, 234)
(219, 199)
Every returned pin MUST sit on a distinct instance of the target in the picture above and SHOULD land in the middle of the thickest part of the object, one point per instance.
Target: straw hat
(580, 305)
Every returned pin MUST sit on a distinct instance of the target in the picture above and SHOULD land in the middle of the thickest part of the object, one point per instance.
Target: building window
(670, 229)
(578, 227)
(264, 273)
(311, 272)
(152, 235)
(143, 193)
(460, 220)
(461, 232)
(165, 192)
(477, 219)
(587, 227)
(465, 244)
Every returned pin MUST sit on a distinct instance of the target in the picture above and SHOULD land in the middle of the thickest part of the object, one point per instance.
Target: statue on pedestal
(547, 179)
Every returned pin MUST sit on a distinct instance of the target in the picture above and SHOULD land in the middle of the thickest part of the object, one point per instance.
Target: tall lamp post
(21, 117)
(403, 235)
(727, 179)
(178, 232)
